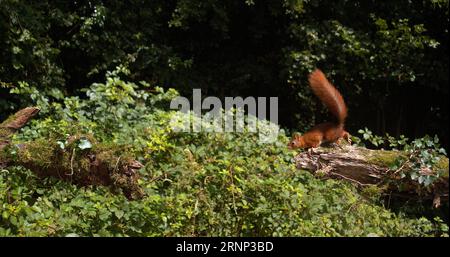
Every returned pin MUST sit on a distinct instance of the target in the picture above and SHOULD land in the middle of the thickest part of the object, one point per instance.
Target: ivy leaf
(72, 235)
(84, 144)
(119, 213)
(428, 181)
(61, 144)
(421, 179)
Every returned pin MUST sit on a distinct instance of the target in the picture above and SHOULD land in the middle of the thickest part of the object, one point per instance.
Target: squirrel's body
(328, 132)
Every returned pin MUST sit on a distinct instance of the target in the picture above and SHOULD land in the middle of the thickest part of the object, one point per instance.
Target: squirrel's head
(297, 141)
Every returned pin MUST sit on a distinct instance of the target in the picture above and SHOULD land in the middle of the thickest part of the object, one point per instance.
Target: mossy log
(98, 164)
(365, 167)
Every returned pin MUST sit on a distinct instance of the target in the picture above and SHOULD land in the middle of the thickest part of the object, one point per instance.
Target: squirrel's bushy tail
(328, 95)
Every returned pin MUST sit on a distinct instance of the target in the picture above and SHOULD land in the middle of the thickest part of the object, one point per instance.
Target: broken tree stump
(14, 123)
(365, 167)
(80, 159)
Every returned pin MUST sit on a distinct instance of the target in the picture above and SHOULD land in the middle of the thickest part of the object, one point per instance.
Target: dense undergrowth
(196, 184)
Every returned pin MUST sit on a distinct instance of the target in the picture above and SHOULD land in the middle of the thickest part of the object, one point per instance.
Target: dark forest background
(388, 58)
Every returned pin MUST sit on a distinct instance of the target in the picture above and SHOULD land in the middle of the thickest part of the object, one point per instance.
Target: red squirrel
(328, 132)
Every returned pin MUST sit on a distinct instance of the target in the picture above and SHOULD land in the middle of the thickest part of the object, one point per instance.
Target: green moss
(40, 152)
(85, 164)
(442, 165)
(384, 158)
(372, 191)
(4, 133)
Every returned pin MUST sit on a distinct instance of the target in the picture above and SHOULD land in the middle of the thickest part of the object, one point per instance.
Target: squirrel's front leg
(313, 147)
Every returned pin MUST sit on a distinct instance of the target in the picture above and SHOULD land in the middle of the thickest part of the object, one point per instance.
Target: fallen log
(364, 167)
(80, 159)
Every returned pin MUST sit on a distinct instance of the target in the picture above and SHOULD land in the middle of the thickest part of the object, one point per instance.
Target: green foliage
(379, 141)
(423, 155)
(207, 183)
(196, 184)
(376, 53)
